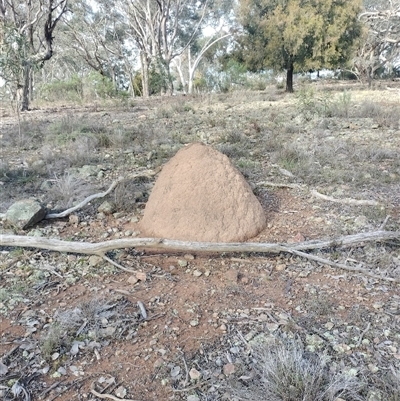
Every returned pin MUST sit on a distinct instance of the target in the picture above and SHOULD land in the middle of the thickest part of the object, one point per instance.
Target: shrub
(69, 90)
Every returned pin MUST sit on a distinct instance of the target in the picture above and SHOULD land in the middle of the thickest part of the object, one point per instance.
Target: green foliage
(71, 89)
(99, 86)
(13, 50)
(297, 34)
(321, 104)
(234, 75)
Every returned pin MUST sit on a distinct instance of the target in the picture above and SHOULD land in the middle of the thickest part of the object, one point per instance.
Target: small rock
(182, 263)
(73, 219)
(55, 356)
(3, 369)
(229, 369)
(141, 276)
(107, 208)
(62, 371)
(197, 273)
(95, 260)
(194, 322)
(120, 392)
(158, 363)
(329, 325)
(132, 280)
(280, 267)
(175, 371)
(378, 305)
(25, 213)
(188, 257)
(373, 368)
(194, 374)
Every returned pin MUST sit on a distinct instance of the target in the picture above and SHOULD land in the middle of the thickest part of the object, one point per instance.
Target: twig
(363, 334)
(67, 388)
(84, 202)
(277, 185)
(116, 264)
(344, 267)
(384, 222)
(346, 201)
(6, 355)
(186, 368)
(182, 390)
(110, 396)
(47, 390)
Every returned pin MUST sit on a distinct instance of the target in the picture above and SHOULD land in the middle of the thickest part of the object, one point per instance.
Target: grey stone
(106, 208)
(25, 213)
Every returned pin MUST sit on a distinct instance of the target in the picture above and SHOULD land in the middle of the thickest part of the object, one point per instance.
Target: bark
(161, 244)
(145, 74)
(26, 86)
(289, 78)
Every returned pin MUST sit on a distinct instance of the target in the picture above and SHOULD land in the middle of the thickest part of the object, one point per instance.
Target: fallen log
(101, 248)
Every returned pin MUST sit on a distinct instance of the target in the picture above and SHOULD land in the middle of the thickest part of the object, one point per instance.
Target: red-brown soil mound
(201, 196)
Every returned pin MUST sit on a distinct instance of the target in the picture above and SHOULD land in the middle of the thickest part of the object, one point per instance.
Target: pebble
(182, 262)
(141, 276)
(194, 322)
(197, 273)
(194, 374)
(133, 280)
(175, 371)
(229, 369)
(120, 392)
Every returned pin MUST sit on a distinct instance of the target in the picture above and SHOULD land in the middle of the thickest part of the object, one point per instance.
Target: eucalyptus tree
(162, 30)
(297, 35)
(26, 40)
(96, 33)
(380, 46)
(218, 25)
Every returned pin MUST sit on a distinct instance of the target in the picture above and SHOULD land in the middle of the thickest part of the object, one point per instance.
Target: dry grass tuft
(67, 189)
(286, 372)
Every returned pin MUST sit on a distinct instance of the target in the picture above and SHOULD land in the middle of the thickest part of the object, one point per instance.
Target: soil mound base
(201, 196)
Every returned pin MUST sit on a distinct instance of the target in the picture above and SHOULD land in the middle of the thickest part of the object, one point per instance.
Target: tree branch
(101, 248)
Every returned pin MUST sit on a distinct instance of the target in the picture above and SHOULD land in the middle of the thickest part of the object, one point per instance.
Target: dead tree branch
(101, 248)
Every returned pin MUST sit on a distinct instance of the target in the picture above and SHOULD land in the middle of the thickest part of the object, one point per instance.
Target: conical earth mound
(200, 196)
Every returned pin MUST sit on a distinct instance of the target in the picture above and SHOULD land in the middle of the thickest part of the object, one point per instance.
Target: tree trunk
(31, 84)
(25, 88)
(289, 78)
(145, 75)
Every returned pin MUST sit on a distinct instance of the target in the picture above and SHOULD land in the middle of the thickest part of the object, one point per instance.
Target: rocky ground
(187, 326)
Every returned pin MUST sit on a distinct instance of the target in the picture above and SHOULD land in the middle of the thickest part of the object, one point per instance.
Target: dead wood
(101, 248)
(67, 212)
(345, 201)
